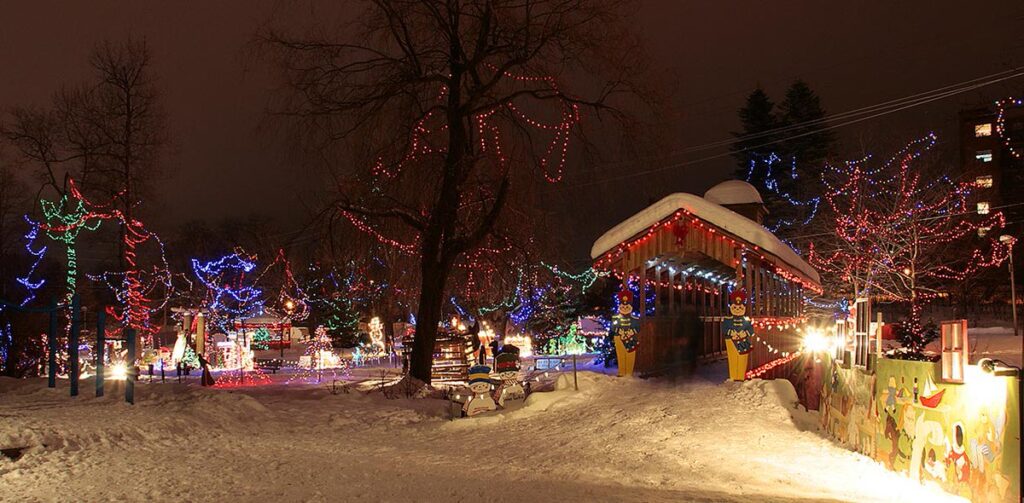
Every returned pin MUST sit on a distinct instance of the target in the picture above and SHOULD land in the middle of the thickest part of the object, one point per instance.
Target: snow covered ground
(997, 343)
(614, 440)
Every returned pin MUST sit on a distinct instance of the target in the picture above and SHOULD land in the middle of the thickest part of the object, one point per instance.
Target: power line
(855, 116)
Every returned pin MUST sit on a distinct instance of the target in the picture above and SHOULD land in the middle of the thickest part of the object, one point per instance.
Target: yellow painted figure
(737, 331)
(626, 333)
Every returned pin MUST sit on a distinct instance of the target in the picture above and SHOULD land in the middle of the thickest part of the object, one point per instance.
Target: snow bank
(723, 218)
(613, 440)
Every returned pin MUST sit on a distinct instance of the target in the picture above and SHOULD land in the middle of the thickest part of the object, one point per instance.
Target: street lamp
(1009, 240)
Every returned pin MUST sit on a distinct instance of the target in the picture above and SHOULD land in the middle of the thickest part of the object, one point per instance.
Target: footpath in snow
(613, 440)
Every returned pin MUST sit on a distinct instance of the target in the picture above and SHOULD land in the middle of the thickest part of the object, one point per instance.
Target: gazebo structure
(692, 251)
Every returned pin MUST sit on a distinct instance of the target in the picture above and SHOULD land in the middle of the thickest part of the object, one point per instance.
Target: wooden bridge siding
(768, 295)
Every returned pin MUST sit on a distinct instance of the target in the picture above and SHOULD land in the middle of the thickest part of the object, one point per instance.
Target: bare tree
(904, 231)
(107, 135)
(475, 83)
(13, 203)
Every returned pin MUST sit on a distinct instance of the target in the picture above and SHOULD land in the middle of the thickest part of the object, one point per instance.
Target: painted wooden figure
(625, 331)
(738, 331)
(480, 400)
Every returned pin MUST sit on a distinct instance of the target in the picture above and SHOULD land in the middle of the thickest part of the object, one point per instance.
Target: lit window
(983, 182)
(983, 208)
(982, 231)
(954, 350)
(983, 129)
(983, 155)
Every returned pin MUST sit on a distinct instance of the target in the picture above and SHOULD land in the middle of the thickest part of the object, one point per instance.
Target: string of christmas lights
(894, 225)
(763, 369)
(1001, 106)
(26, 281)
(611, 256)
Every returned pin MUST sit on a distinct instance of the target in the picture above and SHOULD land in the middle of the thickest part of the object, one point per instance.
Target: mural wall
(963, 437)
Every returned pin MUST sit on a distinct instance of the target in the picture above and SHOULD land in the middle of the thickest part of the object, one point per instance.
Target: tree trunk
(428, 315)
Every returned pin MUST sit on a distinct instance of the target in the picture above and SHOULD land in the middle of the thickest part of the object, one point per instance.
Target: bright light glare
(119, 372)
(816, 341)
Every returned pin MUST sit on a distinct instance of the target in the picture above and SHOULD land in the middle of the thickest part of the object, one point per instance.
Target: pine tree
(342, 321)
(261, 339)
(190, 358)
(809, 142)
(756, 117)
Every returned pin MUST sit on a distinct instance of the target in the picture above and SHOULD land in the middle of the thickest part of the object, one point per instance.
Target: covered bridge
(692, 251)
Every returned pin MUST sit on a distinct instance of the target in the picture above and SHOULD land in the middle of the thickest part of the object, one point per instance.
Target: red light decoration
(489, 125)
(764, 369)
(891, 247)
(711, 232)
(132, 292)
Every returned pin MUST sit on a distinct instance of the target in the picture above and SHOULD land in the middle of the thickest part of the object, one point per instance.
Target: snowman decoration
(480, 400)
(507, 364)
(737, 330)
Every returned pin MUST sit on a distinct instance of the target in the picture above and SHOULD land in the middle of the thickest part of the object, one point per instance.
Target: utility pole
(1008, 239)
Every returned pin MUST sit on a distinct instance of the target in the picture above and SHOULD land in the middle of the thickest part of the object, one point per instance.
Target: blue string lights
(39, 253)
(224, 279)
(809, 207)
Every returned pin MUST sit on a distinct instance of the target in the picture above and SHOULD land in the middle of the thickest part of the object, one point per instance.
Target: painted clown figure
(625, 331)
(737, 330)
(480, 400)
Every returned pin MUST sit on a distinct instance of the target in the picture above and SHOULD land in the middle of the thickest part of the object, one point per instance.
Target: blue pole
(51, 344)
(73, 346)
(129, 383)
(101, 345)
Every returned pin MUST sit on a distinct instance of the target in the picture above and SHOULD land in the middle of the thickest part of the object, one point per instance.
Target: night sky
(224, 163)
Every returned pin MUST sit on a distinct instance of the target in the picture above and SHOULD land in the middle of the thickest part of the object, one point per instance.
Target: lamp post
(1008, 240)
(289, 307)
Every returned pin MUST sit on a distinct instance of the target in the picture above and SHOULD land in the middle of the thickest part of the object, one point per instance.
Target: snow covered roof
(717, 215)
(733, 192)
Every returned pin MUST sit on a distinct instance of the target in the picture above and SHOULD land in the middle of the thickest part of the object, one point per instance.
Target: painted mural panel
(963, 437)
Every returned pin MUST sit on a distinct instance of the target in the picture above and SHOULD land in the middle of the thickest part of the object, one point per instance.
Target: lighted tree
(333, 295)
(472, 83)
(905, 232)
(230, 293)
(261, 339)
(321, 356)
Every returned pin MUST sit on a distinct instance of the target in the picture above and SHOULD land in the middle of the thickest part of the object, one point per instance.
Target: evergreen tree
(190, 358)
(809, 142)
(756, 117)
(341, 321)
(260, 339)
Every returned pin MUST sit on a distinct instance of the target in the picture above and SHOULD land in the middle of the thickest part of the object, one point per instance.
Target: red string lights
(764, 369)
(894, 228)
(133, 292)
(711, 232)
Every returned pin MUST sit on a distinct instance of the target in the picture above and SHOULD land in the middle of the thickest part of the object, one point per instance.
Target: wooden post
(101, 342)
(643, 291)
(51, 347)
(200, 333)
(73, 346)
(878, 336)
(575, 381)
(129, 383)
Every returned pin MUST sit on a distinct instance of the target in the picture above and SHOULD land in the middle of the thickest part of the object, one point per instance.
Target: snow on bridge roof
(721, 217)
